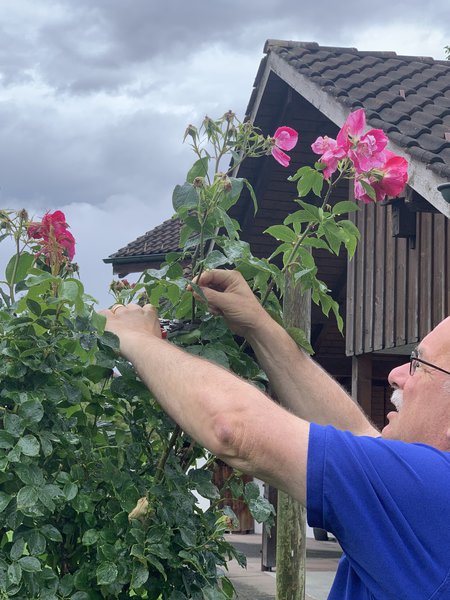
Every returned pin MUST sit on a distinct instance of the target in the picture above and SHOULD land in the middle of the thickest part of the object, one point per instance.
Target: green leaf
(198, 169)
(314, 242)
(31, 411)
(184, 197)
(30, 474)
(252, 195)
(66, 585)
(317, 185)
(251, 491)
(235, 250)
(30, 564)
(369, 190)
(51, 533)
(198, 290)
(333, 235)
(230, 225)
(312, 211)
(110, 340)
(139, 576)
(106, 573)
(299, 216)
(14, 573)
(227, 587)
(188, 536)
(17, 549)
(215, 355)
(213, 593)
(202, 483)
(13, 424)
(307, 179)
(90, 537)
(33, 306)
(300, 338)
(17, 269)
(158, 565)
(281, 233)
(215, 259)
(99, 322)
(6, 440)
(36, 543)
(70, 490)
(29, 445)
(351, 235)
(95, 373)
(230, 199)
(71, 290)
(26, 497)
(261, 509)
(5, 499)
(343, 207)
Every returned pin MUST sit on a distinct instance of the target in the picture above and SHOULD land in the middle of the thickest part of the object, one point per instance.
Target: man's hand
(130, 323)
(228, 294)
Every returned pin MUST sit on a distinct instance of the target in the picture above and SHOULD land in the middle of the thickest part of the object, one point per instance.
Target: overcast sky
(95, 96)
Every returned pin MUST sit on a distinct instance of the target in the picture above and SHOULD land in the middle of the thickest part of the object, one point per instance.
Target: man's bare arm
(300, 383)
(227, 415)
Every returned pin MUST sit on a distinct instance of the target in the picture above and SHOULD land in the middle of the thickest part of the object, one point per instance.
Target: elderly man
(386, 499)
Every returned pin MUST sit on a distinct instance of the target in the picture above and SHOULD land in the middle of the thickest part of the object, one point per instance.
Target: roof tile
(413, 129)
(433, 143)
(159, 240)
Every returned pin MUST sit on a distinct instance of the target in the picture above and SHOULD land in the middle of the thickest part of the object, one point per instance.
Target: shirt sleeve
(388, 504)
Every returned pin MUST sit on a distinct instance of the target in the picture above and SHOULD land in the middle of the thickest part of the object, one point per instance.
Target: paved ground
(253, 584)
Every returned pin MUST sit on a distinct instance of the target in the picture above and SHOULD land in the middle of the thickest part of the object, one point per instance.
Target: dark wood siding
(396, 291)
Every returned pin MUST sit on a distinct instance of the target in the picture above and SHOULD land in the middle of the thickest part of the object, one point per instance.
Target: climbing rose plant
(97, 484)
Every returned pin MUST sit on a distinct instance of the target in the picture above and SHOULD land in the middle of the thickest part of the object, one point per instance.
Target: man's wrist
(132, 344)
(262, 329)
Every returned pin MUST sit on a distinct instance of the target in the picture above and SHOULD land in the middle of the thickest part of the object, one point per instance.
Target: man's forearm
(302, 385)
(227, 415)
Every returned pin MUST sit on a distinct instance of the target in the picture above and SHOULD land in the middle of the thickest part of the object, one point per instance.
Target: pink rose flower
(365, 150)
(331, 153)
(52, 230)
(285, 138)
(388, 180)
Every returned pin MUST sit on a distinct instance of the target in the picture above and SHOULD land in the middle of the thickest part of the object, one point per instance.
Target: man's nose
(398, 376)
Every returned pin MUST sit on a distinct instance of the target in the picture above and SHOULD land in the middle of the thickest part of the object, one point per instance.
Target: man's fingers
(217, 279)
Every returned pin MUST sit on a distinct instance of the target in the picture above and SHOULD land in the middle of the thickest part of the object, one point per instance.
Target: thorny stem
(298, 243)
(163, 459)
(16, 261)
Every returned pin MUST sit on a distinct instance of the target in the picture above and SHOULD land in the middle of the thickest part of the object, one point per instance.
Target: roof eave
(143, 258)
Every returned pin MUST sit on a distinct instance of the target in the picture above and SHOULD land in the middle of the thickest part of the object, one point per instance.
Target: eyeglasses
(414, 360)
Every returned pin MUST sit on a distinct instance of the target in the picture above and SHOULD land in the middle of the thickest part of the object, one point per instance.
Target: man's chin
(388, 430)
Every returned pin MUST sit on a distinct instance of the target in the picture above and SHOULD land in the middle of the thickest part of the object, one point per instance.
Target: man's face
(423, 399)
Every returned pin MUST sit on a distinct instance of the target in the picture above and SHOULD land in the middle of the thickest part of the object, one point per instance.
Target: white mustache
(397, 399)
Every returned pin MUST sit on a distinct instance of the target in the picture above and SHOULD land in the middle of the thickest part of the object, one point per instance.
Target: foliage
(79, 447)
(97, 483)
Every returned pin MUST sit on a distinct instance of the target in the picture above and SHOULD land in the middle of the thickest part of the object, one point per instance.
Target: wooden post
(362, 382)
(291, 515)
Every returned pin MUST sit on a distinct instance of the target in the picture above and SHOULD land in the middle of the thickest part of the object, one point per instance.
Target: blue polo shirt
(388, 504)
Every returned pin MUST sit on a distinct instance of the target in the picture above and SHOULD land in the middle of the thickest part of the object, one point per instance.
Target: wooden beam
(362, 382)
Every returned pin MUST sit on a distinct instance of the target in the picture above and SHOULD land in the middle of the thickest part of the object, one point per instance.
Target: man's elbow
(229, 437)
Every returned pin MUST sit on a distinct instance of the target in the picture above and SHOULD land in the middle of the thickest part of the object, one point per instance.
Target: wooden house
(397, 286)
